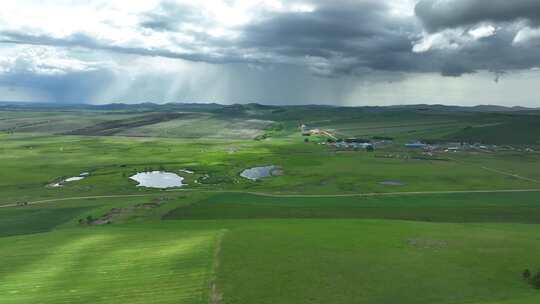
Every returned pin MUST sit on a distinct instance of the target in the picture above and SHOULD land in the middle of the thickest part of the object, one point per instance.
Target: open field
(117, 126)
(395, 225)
(377, 262)
(26, 221)
(33, 162)
(107, 265)
(203, 126)
(471, 208)
(55, 122)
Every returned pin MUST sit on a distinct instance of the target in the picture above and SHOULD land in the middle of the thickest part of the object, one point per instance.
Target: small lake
(71, 179)
(257, 173)
(158, 179)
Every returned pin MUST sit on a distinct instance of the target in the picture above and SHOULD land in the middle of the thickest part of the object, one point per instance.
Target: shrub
(526, 274)
(382, 138)
(535, 280)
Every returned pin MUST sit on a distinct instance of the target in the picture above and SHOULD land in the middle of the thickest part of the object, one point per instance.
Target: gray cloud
(461, 53)
(338, 38)
(61, 78)
(169, 15)
(351, 35)
(441, 14)
(86, 41)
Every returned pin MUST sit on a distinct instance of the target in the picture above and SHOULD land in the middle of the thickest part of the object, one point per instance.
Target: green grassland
(377, 262)
(107, 265)
(456, 228)
(323, 257)
(250, 121)
(30, 163)
(466, 208)
(511, 129)
(34, 220)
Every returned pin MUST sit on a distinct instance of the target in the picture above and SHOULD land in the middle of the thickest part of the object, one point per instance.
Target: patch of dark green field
(510, 129)
(458, 208)
(34, 220)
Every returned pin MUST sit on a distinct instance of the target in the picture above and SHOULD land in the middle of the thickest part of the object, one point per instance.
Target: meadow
(107, 265)
(337, 226)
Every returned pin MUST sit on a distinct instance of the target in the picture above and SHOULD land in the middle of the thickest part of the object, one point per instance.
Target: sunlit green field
(389, 226)
(107, 265)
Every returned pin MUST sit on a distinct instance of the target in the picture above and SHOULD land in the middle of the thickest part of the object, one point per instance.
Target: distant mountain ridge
(196, 107)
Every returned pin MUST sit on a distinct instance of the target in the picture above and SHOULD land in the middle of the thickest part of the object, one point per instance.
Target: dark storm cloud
(350, 35)
(354, 37)
(358, 37)
(440, 14)
(496, 53)
(342, 37)
(329, 30)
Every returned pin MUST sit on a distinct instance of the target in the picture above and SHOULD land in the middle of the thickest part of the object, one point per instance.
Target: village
(378, 142)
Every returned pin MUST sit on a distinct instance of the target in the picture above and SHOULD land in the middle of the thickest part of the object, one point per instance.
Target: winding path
(52, 200)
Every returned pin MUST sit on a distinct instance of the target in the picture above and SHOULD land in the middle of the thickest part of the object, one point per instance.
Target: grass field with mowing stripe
(107, 265)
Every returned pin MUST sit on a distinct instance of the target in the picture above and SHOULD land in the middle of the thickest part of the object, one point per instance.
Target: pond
(257, 173)
(158, 179)
(70, 179)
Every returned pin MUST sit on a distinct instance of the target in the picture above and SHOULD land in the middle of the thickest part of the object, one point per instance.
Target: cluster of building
(426, 148)
(352, 145)
(343, 144)
(308, 132)
(456, 147)
(449, 147)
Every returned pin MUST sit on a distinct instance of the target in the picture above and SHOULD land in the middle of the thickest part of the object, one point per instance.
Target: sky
(337, 52)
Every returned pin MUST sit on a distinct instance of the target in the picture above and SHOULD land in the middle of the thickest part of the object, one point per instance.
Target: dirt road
(277, 195)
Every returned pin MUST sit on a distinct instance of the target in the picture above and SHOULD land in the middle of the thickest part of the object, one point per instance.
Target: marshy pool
(70, 179)
(158, 179)
(257, 173)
